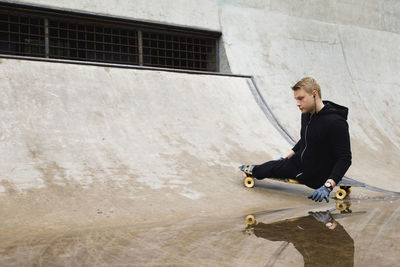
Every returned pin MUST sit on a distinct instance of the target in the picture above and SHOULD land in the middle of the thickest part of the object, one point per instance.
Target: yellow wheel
(341, 194)
(250, 219)
(341, 206)
(348, 191)
(249, 182)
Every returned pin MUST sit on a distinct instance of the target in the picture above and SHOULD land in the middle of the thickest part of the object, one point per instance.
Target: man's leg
(282, 168)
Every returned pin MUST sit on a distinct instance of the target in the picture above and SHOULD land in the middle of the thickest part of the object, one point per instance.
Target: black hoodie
(323, 152)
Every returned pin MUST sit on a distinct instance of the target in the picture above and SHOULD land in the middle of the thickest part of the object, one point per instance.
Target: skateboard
(345, 184)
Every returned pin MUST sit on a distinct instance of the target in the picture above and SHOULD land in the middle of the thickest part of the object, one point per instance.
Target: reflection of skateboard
(343, 206)
(345, 184)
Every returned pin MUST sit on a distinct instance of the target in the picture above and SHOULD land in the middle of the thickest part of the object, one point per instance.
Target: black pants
(283, 168)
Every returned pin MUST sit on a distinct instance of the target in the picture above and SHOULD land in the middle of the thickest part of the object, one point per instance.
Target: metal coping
(124, 66)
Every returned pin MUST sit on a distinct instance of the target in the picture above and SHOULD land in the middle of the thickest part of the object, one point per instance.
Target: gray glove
(320, 194)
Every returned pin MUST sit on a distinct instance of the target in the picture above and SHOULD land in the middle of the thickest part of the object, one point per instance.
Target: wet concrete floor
(352, 233)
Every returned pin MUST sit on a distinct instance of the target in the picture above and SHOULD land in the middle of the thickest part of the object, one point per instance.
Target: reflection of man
(318, 237)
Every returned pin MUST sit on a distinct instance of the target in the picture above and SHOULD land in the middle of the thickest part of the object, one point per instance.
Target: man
(322, 155)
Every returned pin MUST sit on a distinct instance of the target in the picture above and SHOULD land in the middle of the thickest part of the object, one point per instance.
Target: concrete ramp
(85, 143)
(355, 59)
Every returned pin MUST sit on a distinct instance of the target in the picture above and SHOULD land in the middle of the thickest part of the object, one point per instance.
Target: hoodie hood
(330, 108)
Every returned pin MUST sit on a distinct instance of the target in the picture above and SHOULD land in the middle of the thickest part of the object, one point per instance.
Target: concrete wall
(374, 14)
(351, 47)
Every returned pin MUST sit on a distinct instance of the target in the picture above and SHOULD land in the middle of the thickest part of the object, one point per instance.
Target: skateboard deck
(345, 184)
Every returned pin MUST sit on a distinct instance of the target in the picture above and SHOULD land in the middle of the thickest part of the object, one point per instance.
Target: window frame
(49, 15)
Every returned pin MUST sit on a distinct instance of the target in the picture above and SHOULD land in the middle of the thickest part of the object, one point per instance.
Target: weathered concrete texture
(88, 147)
(197, 13)
(373, 14)
(131, 144)
(356, 67)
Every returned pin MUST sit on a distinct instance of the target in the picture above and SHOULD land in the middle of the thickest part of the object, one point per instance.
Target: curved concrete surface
(109, 166)
(116, 152)
(355, 62)
(350, 47)
(135, 145)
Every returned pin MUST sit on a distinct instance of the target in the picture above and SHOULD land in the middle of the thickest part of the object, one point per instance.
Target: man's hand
(320, 194)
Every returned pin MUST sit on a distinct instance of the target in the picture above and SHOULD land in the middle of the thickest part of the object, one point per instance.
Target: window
(47, 33)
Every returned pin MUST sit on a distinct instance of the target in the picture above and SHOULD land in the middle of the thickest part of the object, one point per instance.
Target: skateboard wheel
(341, 206)
(249, 182)
(341, 194)
(250, 219)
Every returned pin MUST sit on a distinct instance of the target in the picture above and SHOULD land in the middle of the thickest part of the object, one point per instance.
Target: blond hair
(308, 84)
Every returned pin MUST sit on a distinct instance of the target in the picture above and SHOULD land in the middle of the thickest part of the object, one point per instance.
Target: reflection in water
(321, 240)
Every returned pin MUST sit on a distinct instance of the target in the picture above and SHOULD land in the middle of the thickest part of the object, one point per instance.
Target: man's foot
(247, 169)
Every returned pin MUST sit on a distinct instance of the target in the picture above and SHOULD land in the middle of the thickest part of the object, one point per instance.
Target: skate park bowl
(122, 166)
(107, 156)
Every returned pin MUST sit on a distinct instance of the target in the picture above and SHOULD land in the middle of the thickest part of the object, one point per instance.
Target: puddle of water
(362, 233)
(318, 237)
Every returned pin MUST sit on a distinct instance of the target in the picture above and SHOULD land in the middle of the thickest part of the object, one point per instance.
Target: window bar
(29, 42)
(46, 37)
(9, 32)
(140, 46)
(187, 52)
(158, 49)
(217, 67)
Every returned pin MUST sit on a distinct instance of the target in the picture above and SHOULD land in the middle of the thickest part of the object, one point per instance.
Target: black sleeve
(340, 142)
(298, 145)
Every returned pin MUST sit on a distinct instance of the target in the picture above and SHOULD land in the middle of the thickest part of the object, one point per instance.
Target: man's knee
(268, 169)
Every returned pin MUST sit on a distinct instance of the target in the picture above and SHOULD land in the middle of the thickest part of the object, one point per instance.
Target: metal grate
(183, 52)
(21, 35)
(64, 35)
(92, 42)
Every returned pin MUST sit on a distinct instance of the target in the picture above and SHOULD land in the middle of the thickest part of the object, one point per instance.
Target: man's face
(304, 101)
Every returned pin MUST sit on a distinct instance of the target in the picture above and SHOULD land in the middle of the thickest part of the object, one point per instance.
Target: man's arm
(339, 139)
